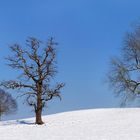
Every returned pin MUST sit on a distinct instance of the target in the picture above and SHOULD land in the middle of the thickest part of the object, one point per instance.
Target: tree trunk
(0, 116)
(39, 117)
(39, 106)
(39, 111)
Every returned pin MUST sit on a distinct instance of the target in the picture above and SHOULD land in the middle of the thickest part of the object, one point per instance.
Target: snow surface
(93, 124)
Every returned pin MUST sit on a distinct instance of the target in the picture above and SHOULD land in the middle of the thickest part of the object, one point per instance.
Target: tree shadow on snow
(24, 122)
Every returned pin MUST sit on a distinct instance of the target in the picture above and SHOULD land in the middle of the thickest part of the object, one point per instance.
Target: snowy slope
(98, 124)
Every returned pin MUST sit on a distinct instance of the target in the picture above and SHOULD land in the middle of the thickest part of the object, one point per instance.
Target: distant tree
(124, 75)
(37, 62)
(7, 104)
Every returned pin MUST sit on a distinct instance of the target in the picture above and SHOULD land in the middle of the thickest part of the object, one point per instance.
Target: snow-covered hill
(94, 124)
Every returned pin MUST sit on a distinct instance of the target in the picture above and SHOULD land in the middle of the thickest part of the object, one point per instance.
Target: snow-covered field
(94, 124)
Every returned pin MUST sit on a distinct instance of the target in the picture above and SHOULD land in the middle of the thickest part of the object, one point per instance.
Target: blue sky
(89, 32)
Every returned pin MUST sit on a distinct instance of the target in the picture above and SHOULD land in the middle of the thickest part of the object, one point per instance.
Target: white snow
(93, 124)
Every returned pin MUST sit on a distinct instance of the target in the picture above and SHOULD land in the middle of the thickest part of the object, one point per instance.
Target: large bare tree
(8, 104)
(37, 62)
(124, 76)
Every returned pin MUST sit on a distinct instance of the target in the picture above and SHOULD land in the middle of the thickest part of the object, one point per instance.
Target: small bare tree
(7, 104)
(37, 62)
(124, 76)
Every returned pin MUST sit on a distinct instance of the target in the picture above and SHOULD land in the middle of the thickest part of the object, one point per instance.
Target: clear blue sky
(89, 32)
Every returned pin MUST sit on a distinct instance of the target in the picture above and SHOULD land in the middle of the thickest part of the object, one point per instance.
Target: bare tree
(124, 76)
(7, 104)
(37, 62)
